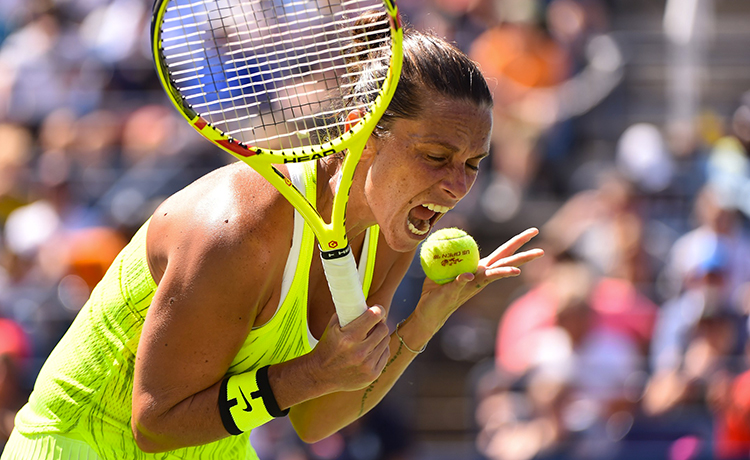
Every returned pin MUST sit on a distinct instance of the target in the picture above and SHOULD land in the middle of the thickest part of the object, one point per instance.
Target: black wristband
(267, 394)
(224, 406)
(247, 401)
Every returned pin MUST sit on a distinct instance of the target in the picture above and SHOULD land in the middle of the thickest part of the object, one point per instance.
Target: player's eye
(473, 163)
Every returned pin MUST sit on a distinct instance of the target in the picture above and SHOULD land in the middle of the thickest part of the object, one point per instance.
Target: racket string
(245, 77)
(202, 51)
(225, 33)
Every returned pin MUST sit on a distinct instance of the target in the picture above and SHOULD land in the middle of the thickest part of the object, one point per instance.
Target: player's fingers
(516, 260)
(366, 321)
(467, 277)
(486, 275)
(515, 243)
(334, 321)
(378, 333)
(494, 274)
(512, 245)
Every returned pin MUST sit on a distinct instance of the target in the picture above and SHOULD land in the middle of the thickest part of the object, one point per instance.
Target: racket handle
(343, 281)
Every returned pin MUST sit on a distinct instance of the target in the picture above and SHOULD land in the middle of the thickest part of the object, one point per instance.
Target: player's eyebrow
(442, 144)
(448, 147)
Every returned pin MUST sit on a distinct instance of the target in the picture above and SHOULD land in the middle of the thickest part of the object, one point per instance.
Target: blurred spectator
(603, 226)
(697, 349)
(519, 57)
(728, 166)
(568, 391)
(603, 229)
(719, 225)
(15, 350)
(15, 155)
(699, 336)
(622, 308)
(732, 430)
(643, 158)
(741, 121)
(531, 312)
(547, 65)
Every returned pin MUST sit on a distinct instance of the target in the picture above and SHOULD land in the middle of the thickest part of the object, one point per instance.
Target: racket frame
(336, 254)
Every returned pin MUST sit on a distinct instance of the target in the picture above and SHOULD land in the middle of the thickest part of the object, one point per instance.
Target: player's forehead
(449, 123)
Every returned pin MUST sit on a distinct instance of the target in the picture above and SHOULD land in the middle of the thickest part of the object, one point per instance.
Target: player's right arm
(217, 265)
(211, 287)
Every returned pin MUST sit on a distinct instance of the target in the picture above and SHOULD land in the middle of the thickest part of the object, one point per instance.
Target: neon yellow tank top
(84, 388)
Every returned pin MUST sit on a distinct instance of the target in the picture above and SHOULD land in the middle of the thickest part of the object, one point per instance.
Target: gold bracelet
(404, 343)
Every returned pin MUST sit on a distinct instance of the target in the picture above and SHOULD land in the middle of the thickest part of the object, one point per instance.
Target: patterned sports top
(84, 388)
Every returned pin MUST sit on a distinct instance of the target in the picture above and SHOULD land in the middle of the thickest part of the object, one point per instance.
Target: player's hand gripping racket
(273, 81)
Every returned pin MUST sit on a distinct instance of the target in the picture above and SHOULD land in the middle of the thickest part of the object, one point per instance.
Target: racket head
(274, 82)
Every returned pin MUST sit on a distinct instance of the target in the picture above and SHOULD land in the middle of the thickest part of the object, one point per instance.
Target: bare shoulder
(231, 215)
(213, 249)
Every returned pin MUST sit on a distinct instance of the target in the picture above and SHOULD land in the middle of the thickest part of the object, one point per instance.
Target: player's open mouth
(421, 218)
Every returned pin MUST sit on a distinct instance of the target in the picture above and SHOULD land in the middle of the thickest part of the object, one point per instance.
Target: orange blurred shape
(522, 54)
(92, 251)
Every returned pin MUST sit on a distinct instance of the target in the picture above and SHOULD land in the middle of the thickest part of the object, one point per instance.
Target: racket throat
(335, 253)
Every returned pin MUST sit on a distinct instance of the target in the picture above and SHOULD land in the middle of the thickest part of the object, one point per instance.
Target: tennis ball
(447, 253)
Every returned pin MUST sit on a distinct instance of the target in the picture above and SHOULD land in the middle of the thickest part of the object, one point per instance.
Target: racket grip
(346, 289)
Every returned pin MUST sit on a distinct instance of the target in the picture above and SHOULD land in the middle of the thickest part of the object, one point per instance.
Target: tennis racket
(276, 81)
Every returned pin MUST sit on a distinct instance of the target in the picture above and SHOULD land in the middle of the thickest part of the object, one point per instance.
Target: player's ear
(352, 119)
(370, 151)
(370, 148)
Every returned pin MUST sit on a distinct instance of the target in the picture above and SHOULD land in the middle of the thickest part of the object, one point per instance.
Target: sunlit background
(621, 131)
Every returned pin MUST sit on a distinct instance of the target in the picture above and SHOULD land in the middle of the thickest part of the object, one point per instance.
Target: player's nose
(456, 183)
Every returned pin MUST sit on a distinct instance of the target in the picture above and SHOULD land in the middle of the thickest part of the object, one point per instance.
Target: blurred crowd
(629, 339)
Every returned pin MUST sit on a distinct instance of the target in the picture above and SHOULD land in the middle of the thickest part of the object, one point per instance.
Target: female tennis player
(217, 316)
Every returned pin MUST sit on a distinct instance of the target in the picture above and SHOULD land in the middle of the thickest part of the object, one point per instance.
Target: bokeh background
(621, 131)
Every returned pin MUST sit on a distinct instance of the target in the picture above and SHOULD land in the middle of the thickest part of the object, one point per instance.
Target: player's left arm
(318, 418)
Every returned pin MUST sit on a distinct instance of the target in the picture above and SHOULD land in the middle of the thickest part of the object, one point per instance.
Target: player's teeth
(417, 231)
(437, 208)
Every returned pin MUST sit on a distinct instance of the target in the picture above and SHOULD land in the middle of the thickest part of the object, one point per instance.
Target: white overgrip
(346, 290)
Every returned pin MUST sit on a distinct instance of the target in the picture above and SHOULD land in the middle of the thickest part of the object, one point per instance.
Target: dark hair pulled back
(431, 67)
